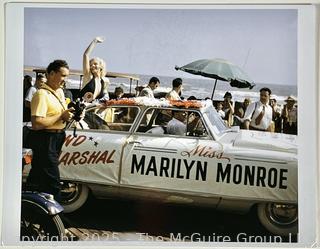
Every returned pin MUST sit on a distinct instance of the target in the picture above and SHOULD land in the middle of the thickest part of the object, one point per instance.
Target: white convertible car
(123, 149)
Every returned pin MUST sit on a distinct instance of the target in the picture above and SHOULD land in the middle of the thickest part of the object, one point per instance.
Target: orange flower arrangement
(186, 103)
(177, 103)
(124, 101)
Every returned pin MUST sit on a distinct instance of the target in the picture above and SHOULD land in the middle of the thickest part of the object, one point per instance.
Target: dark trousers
(290, 129)
(44, 175)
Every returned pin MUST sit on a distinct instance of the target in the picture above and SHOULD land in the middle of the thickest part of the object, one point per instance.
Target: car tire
(279, 219)
(73, 196)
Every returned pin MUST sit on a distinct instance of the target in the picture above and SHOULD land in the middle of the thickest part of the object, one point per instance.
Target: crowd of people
(46, 106)
(262, 115)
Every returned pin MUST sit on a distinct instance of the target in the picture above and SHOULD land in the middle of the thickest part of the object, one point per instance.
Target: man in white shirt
(40, 79)
(258, 115)
(154, 83)
(174, 94)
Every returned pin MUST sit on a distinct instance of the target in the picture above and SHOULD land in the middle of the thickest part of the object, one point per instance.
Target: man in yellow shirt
(49, 115)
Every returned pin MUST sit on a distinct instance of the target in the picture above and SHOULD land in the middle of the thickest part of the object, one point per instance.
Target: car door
(175, 163)
(94, 155)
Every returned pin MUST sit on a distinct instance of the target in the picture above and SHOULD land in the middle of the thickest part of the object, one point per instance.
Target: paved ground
(149, 221)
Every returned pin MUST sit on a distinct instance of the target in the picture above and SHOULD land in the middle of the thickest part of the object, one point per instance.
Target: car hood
(266, 140)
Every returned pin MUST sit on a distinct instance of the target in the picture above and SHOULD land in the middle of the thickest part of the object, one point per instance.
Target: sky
(263, 42)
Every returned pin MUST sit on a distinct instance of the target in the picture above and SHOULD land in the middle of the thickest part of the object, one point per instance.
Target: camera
(78, 109)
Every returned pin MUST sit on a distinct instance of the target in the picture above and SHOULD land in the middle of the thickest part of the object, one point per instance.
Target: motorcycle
(40, 216)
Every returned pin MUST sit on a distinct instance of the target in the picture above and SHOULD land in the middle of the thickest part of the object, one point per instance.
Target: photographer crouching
(49, 115)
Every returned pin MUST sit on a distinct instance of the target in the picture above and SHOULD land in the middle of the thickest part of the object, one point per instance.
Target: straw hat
(291, 98)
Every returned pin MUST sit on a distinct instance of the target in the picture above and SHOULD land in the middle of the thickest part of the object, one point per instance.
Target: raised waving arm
(86, 55)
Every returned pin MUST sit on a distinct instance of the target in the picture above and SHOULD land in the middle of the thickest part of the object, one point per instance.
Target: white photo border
(11, 69)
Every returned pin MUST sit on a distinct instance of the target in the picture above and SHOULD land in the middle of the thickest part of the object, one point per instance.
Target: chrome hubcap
(70, 192)
(282, 214)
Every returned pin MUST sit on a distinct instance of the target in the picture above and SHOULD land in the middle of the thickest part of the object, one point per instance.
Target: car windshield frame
(215, 122)
(95, 107)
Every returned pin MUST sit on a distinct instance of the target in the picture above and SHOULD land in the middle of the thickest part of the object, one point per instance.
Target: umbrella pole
(214, 88)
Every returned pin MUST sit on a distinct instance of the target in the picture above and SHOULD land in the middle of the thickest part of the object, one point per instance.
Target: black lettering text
(179, 169)
(173, 167)
(138, 166)
(237, 174)
(272, 177)
(261, 175)
(201, 171)
(223, 174)
(249, 175)
(152, 166)
(188, 167)
(283, 178)
(164, 166)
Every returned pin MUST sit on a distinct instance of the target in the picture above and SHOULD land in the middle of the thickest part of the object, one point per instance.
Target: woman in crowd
(228, 109)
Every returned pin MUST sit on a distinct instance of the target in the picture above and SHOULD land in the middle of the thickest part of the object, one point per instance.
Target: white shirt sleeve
(32, 90)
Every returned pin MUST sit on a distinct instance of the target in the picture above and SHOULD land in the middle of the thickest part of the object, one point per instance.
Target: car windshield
(216, 121)
(110, 118)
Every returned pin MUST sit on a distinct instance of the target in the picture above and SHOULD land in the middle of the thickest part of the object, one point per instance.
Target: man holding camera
(49, 115)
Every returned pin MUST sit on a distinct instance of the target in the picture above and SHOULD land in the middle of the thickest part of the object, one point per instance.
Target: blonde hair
(102, 64)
